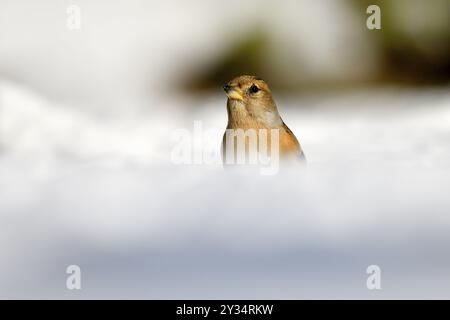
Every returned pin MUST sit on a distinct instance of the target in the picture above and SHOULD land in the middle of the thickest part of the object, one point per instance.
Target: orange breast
(288, 143)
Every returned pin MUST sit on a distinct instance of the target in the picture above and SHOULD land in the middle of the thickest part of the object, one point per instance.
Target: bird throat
(240, 116)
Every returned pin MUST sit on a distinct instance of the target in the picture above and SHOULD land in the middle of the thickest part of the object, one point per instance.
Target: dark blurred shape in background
(147, 50)
(415, 40)
(247, 55)
(412, 48)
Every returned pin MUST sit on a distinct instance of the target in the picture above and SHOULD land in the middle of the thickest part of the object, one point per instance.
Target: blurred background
(87, 117)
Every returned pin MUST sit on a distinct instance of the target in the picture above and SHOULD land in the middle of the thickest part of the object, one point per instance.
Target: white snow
(102, 193)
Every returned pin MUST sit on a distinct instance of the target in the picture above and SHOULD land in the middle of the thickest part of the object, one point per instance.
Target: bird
(250, 105)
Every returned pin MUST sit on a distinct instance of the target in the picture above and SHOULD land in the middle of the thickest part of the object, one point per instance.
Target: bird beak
(233, 93)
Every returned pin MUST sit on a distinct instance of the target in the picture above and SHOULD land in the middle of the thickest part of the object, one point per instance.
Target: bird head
(250, 97)
(247, 89)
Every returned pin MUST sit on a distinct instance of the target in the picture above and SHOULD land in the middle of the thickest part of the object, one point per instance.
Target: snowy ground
(101, 192)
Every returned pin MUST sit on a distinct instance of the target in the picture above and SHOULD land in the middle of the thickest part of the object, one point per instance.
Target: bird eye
(254, 89)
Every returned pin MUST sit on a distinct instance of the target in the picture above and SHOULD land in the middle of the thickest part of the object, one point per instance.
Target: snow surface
(101, 192)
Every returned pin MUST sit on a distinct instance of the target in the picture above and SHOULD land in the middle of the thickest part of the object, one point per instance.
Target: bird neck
(245, 116)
